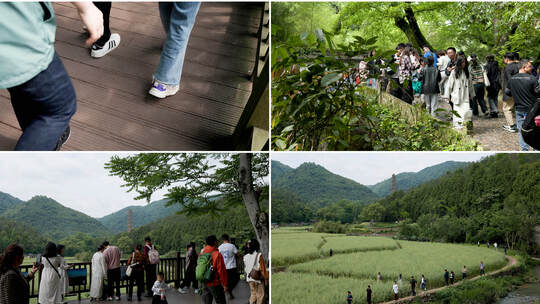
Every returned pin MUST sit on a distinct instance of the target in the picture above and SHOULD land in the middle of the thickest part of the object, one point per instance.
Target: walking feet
(100, 51)
(161, 90)
(63, 139)
(511, 129)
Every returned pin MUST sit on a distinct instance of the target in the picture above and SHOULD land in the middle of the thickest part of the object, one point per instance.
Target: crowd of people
(449, 279)
(142, 262)
(41, 91)
(462, 81)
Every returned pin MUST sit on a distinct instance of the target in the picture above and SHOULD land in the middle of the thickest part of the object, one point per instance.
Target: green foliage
(85, 256)
(373, 211)
(80, 243)
(53, 220)
(142, 215)
(288, 208)
(7, 202)
(481, 202)
(408, 180)
(15, 232)
(319, 187)
(329, 227)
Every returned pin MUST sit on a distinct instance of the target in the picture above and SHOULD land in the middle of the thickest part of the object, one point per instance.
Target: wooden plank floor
(114, 110)
(241, 296)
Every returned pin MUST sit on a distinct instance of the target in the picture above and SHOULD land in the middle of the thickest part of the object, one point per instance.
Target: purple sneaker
(161, 90)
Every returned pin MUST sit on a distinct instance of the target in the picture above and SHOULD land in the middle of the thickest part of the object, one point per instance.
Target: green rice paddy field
(311, 276)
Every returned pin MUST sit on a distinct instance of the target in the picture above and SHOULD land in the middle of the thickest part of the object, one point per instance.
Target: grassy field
(297, 247)
(317, 278)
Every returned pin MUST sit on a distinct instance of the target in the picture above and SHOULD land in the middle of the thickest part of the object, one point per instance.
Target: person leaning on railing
(14, 287)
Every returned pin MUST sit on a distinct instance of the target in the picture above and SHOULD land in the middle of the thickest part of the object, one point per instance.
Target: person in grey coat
(14, 286)
(430, 78)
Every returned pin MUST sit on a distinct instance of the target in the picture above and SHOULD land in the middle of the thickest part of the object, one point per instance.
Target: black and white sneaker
(111, 44)
(63, 139)
(511, 129)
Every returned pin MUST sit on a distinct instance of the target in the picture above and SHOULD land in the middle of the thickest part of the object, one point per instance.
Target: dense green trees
(496, 200)
(14, 232)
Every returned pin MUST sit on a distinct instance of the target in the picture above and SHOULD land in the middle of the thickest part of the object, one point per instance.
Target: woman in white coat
(49, 291)
(99, 271)
(253, 261)
(459, 90)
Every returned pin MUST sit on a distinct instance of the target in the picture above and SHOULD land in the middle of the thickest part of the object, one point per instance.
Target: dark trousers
(190, 279)
(105, 8)
(137, 277)
(113, 278)
(43, 106)
(478, 100)
(158, 300)
(413, 289)
(213, 292)
(233, 278)
(150, 271)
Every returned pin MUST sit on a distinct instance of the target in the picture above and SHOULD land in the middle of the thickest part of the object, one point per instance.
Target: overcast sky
(369, 168)
(76, 180)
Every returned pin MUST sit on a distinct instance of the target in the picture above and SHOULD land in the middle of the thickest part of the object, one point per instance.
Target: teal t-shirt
(27, 31)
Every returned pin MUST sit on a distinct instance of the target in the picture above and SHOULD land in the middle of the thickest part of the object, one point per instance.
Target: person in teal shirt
(41, 92)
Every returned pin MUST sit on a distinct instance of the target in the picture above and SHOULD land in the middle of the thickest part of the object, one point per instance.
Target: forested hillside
(118, 221)
(7, 201)
(497, 199)
(320, 187)
(407, 180)
(15, 232)
(53, 220)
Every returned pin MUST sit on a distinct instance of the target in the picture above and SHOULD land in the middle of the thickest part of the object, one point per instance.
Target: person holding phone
(14, 286)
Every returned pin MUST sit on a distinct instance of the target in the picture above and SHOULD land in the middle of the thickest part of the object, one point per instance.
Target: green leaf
(329, 78)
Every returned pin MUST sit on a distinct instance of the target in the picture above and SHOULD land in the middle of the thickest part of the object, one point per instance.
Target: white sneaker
(161, 90)
(111, 44)
(182, 290)
(117, 298)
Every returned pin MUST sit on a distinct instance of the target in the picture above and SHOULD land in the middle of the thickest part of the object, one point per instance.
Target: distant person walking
(99, 271)
(137, 260)
(229, 253)
(495, 244)
(64, 280)
(452, 277)
(257, 274)
(423, 283)
(464, 272)
(216, 288)
(482, 266)
(395, 288)
(150, 268)
(446, 276)
(49, 291)
(189, 270)
(413, 286)
(178, 19)
(14, 287)
(368, 294)
(349, 297)
(112, 256)
(379, 277)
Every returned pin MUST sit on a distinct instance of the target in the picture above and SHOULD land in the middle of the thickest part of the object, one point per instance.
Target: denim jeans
(432, 103)
(43, 106)
(178, 19)
(479, 89)
(493, 104)
(520, 117)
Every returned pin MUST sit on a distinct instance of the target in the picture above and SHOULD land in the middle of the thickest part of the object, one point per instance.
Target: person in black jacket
(14, 287)
(430, 78)
(525, 89)
(511, 69)
(494, 76)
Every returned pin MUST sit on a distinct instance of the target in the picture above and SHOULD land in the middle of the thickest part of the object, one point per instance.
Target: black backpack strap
(46, 11)
(55, 270)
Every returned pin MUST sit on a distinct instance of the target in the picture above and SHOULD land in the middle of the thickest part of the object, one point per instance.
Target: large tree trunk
(408, 25)
(259, 219)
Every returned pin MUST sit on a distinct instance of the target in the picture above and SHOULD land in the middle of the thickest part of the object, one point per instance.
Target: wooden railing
(246, 129)
(173, 268)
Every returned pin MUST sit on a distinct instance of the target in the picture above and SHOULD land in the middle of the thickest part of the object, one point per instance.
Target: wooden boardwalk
(240, 292)
(114, 110)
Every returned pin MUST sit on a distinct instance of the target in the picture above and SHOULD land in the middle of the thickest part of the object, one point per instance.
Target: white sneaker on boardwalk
(182, 290)
(111, 44)
(161, 90)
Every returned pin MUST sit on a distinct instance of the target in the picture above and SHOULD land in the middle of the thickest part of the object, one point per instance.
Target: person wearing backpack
(257, 275)
(152, 256)
(211, 271)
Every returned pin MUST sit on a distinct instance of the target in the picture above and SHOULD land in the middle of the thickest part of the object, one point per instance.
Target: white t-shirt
(228, 251)
(395, 287)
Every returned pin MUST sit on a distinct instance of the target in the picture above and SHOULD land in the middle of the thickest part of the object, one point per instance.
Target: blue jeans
(520, 117)
(493, 104)
(178, 19)
(43, 106)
